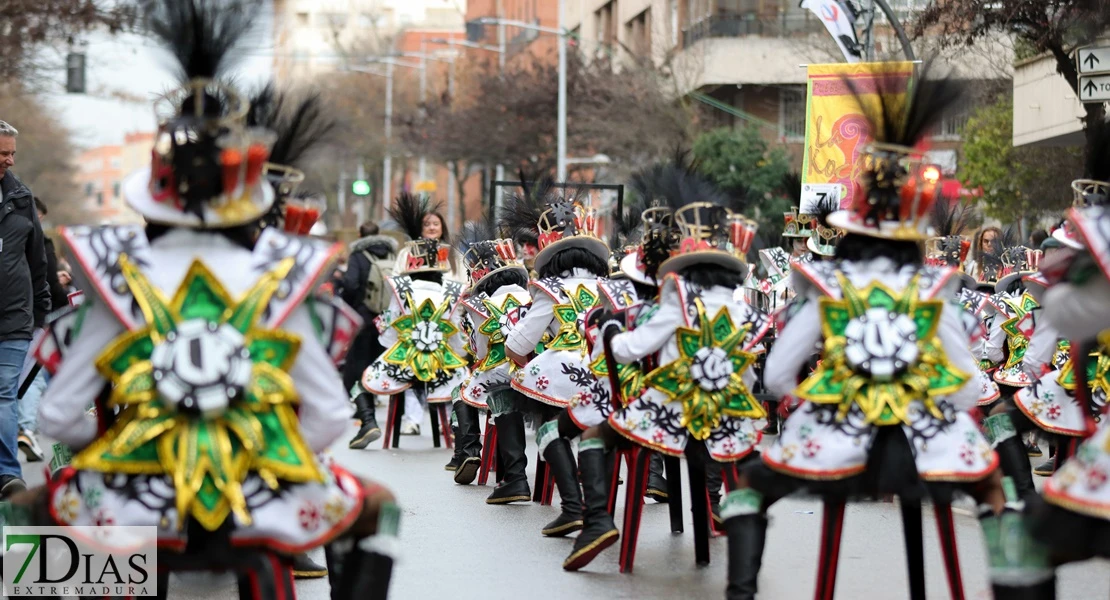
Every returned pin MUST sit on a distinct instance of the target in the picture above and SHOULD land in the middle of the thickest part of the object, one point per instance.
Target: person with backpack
(369, 266)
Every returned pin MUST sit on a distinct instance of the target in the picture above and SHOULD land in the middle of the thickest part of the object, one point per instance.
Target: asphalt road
(455, 546)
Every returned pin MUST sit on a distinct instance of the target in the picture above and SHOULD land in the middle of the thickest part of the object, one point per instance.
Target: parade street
(453, 543)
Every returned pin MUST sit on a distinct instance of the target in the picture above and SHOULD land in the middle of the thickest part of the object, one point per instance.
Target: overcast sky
(131, 66)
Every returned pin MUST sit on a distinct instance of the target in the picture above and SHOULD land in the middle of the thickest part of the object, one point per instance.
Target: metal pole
(500, 172)
(561, 174)
(341, 198)
(907, 48)
(387, 164)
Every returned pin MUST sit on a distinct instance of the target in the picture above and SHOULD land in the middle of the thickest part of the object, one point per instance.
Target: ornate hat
(659, 239)
(562, 220)
(423, 254)
(899, 187)
(949, 247)
(711, 234)
(207, 164)
(485, 254)
(1018, 262)
(795, 225)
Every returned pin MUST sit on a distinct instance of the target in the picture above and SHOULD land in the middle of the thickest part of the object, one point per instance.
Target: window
(88, 190)
(605, 22)
(638, 33)
(792, 113)
(115, 190)
(954, 121)
(100, 198)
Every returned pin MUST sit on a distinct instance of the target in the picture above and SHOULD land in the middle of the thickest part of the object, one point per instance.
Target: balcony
(786, 24)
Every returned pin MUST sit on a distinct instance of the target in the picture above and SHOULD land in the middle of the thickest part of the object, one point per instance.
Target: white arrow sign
(1093, 60)
(1095, 88)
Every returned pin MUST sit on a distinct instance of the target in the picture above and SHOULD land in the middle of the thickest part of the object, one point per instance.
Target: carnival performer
(431, 227)
(496, 299)
(424, 356)
(198, 348)
(549, 345)
(697, 402)
(1075, 519)
(884, 410)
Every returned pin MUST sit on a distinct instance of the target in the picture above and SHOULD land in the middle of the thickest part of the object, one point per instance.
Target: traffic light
(360, 187)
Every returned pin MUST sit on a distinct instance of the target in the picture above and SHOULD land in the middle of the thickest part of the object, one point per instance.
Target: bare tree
(1056, 27)
(28, 25)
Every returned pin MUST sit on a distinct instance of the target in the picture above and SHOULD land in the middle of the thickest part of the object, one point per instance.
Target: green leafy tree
(1018, 183)
(742, 163)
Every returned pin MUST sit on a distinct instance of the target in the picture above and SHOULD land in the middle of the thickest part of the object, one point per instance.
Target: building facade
(100, 174)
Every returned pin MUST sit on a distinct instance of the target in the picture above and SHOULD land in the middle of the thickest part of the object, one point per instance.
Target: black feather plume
(302, 122)
(825, 207)
(792, 185)
(474, 232)
(409, 211)
(202, 35)
(906, 119)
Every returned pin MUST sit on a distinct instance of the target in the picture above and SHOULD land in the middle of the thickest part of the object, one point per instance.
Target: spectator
(24, 301)
(370, 262)
(29, 403)
(1037, 238)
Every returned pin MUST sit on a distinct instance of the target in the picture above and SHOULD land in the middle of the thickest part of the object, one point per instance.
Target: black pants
(364, 349)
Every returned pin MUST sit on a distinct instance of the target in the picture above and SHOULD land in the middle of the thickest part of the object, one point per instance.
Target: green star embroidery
(492, 329)
(208, 458)
(1016, 341)
(885, 402)
(423, 344)
(568, 337)
(707, 376)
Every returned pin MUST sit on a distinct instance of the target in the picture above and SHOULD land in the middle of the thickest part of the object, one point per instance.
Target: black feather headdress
(484, 251)
(202, 35)
(409, 211)
(898, 189)
(302, 125)
(203, 157)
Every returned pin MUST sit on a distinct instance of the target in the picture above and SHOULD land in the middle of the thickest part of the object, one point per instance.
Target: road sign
(1095, 88)
(815, 193)
(1093, 60)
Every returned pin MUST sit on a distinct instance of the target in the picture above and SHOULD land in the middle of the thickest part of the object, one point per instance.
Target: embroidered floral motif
(811, 448)
(1036, 407)
(1054, 411)
(68, 506)
(542, 382)
(93, 496)
(658, 436)
(534, 370)
(788, 452)
(967, 455)
(103, 518)
(309, 516)
(1096, 478)
(334, 510)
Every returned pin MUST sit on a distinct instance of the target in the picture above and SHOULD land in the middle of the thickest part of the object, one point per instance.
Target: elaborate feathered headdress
(302, 124)
(207, 166)
(795, 225)
(424, 254)
(1010, 259)
(949, 247)
(485, 252)
(670, 187)
(899, 189)
(558, 218)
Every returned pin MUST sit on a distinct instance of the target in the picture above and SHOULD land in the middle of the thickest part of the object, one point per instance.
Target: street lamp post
(561, 126)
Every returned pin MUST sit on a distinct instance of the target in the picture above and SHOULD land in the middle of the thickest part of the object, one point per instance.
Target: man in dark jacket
(369, 257)
(24, 300)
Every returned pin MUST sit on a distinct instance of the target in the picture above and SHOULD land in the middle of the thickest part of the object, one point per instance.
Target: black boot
(368, 431)
(305, 568)
(560, 460)
(746, 537)
(364, 571)
(598, 532)
(510, 451)
(468, 444)
(1012, 455)
(657, 485)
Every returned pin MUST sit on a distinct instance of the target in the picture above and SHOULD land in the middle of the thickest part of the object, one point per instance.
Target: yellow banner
(837, 132)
